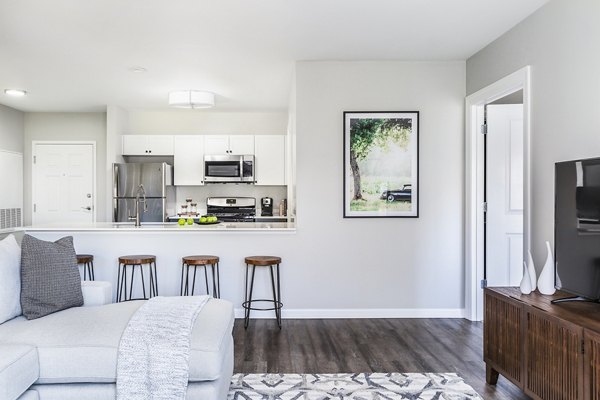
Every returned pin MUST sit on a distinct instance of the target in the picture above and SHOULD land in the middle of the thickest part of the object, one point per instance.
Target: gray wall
(377, 262)
(560, 42)
(11, 129)
(68, 127)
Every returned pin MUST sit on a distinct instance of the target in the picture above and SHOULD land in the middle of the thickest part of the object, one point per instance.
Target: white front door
(504, 185)
(63, 183)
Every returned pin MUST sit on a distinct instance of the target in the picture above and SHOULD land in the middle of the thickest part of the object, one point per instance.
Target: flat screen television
(577, 227)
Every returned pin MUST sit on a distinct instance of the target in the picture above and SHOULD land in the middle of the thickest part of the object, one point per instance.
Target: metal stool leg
(186, 290)
(181, 286)
(275, 298)
(143, 285)
(206, 278)
(131, 287)
(152, 280)
(124, 282)
(218, 283)
(155, 279)
(92, 270)
(194, 279)
(119, 284)
(249, 300)
(214, 292)
(280, 304)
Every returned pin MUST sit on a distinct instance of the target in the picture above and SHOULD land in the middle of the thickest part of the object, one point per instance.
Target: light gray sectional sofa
(72, 354)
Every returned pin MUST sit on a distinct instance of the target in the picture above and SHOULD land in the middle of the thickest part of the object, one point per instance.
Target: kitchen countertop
(165, 227)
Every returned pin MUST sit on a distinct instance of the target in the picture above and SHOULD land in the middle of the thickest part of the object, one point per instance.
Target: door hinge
(484, 129)
(35, 208)
(483, 283)
(35, 159)
(582, 346)
(485, 207)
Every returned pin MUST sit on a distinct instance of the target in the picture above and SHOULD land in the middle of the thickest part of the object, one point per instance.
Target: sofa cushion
(10, 278)
(81, 344)
(50, 279)
(18, 370)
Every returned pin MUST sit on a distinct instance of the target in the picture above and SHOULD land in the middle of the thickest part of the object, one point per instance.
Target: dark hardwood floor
(368, 345)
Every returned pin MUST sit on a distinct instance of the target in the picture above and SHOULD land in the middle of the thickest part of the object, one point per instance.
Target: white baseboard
(321, 313)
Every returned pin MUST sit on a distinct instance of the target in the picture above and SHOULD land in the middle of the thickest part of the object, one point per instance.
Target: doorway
(497, 213)
(63, 182)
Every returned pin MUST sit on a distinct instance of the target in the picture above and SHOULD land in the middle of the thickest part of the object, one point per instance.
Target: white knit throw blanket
(154, 352)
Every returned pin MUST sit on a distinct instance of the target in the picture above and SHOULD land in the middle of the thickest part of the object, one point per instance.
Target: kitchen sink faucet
(140, 191)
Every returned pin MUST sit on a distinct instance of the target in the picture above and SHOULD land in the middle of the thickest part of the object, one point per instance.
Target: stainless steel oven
(229, 168)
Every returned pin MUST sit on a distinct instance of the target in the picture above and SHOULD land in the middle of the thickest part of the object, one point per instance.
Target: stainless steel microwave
(229, 168)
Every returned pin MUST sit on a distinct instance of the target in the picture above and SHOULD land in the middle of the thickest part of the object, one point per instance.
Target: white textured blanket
(154, 352)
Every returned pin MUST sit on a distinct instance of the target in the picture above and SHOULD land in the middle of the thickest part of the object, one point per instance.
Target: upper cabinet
(269, 156)
(147, 145)
(228, 144)
(188, 160)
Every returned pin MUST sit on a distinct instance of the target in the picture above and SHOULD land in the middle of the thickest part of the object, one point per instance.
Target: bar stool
(87, 260)
(262, 261)
(195, 262)
(136, 261)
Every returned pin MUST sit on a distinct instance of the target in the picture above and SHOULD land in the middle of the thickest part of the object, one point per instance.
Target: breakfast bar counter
(166, 227)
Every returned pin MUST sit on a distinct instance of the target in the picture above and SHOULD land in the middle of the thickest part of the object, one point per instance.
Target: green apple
(181, 221)
(190, 221)
(213, 219)
(203, 220)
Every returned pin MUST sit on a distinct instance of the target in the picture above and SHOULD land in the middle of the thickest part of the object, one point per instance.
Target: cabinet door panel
(592, 365)
(502, 333)
(160, 145)
(134, 145)
(241, 144)
(553, 359)
(216, 144)
(188, 160)
(269, 156)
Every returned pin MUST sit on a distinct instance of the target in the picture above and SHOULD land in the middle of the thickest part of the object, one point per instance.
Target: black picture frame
(384, 144)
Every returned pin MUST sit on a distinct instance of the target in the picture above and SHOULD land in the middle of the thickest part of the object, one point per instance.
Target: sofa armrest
(96, 293)
(19, 369)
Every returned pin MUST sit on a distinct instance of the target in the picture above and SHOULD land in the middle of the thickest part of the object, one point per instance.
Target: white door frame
(34, 143)
(474, 181)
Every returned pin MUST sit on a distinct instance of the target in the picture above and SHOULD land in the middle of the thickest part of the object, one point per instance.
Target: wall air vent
(10, 218)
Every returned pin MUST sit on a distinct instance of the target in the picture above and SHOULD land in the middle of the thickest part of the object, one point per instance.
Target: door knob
(87, 208)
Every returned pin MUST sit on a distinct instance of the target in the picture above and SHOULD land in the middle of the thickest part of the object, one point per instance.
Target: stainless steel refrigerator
(157, 181)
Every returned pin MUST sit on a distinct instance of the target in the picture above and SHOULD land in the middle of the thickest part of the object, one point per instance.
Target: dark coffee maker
(266, 207)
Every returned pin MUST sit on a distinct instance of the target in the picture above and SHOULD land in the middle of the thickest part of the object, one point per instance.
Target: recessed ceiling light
(137, 69)
(15, 92)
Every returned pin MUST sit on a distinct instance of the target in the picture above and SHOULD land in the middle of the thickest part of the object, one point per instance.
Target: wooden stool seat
(87, 260)
(263, 260)
(137, 259)
(84, 258)
(200, 260)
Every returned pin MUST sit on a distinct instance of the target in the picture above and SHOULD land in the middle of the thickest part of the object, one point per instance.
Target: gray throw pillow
(50, 279)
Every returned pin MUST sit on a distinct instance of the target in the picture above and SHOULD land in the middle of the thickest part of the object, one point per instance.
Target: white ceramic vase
(532, 273)
(546, 281)
(525, 285)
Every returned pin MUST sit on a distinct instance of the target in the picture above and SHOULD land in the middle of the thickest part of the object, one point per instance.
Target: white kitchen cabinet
(269, 156)
(147, 145)
(188, 160)
(229, 144)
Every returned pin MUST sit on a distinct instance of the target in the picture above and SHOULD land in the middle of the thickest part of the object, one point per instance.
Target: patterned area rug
(376, 386)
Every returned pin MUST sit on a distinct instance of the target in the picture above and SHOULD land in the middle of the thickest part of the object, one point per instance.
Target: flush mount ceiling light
(136, 69)
(191, 99)
(15, 92)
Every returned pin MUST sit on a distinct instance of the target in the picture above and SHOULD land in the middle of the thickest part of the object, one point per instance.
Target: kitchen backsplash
(200, 193)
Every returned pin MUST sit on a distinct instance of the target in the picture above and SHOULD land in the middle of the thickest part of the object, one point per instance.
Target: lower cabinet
(552, 352)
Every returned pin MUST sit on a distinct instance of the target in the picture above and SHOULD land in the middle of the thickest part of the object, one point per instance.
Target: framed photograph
(381, 164)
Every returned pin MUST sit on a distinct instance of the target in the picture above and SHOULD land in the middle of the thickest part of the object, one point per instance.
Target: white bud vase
(532, 274)
(525, 285)
(546, 280)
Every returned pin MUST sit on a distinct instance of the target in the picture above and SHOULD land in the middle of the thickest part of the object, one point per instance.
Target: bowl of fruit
(208, 220)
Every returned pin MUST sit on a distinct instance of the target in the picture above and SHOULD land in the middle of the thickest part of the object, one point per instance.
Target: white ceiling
(75, 55)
